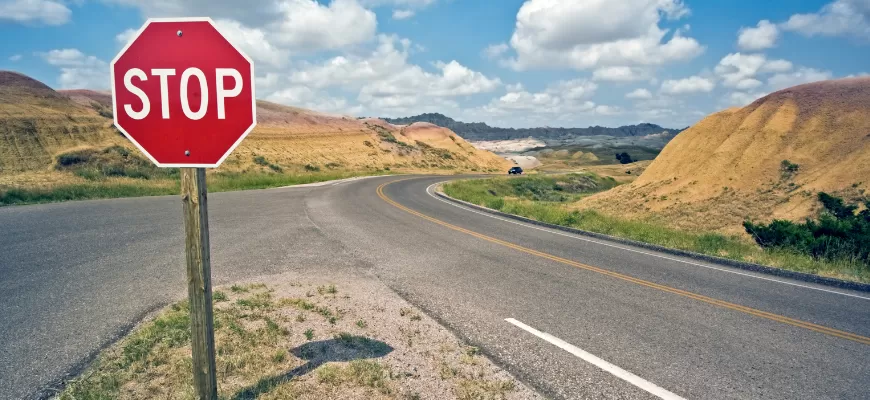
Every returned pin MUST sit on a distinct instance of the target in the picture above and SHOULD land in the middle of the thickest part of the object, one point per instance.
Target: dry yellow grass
(728, 167)
(293, 136)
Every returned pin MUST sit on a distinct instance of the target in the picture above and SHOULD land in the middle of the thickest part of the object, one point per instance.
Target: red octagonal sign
(182, 93)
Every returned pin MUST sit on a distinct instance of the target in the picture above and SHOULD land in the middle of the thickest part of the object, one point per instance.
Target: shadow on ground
(342, 348)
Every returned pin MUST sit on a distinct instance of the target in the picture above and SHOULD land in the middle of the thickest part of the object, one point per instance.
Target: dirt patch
(345, 339)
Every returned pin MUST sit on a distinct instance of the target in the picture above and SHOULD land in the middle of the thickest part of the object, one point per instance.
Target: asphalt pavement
(612, 321)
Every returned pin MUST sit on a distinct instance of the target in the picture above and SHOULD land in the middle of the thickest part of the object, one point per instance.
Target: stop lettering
(182, 93)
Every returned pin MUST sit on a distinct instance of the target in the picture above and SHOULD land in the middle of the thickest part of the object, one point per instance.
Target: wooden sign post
(194, 197)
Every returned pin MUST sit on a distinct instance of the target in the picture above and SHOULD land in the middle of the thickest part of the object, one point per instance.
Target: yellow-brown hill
(763, 161)
(293, 136)
(37, 124)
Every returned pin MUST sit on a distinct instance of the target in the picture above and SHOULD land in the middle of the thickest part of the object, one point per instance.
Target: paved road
(75, 275)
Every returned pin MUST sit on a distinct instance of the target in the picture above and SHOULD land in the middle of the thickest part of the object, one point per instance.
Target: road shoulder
(310, 338)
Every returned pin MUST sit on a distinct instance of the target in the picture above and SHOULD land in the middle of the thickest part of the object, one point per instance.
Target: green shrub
(624, 158)
(788, 169)
(74, 157)
(839, 233)
(114, 161)
(260, 160)
(310, 167)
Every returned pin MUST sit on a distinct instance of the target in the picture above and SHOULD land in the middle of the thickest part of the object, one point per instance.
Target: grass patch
(252, 346)
(114, 161)
(541, 188)
(100, 186)
(260, 301)
(472, 389)
(331, 289)
(538, 199)
(91, 190)
(365, 373)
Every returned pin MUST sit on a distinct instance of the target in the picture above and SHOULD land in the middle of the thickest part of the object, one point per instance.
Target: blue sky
(507, 62)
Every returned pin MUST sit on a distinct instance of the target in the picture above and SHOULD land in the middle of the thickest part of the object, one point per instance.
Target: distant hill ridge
(482, 131)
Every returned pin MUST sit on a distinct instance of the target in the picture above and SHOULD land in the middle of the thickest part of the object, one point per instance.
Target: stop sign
(182, 93)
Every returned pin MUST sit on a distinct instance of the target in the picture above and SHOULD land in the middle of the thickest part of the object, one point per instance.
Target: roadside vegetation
(118, 172)
(840, 233)
(283, 341)
(544, 198)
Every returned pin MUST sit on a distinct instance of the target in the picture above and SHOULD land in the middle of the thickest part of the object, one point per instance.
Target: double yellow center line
(695, 296)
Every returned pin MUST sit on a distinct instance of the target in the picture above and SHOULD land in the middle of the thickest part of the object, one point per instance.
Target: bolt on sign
(184, 95)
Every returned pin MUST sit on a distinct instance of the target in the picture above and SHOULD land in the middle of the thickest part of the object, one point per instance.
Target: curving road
(572, 316)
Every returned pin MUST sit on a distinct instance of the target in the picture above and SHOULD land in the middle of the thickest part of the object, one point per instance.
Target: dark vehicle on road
(515, 171)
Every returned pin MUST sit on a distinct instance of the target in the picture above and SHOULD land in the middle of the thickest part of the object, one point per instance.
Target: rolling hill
(476, 131)
(763, 161)
(38, 124)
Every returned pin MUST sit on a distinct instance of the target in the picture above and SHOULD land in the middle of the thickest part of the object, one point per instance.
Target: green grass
(606, 154)
(360, 372)
(84, 191)
(218, 182)
(144, 349)
(502, 194)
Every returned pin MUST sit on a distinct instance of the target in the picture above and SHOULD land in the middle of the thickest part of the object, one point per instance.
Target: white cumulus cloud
(761, 37)
(494, 51)
(598, 33)
(560, 97)
(692, 84)
(78, 70)
(640, 94)
(254, 42)
(402, 14)
(839, 18)
(126, 36)
(292, 25)
(49, 12)
(620, 74)
(739, 70)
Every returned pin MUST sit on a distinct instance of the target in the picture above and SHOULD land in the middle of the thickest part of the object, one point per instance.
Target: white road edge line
(429, 191)
(620, 373)
(328, 183)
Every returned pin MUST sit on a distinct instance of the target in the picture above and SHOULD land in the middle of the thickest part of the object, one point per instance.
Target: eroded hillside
(766, 160)
(37, 123)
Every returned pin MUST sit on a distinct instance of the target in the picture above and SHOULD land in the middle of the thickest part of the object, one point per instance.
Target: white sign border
(115, 100)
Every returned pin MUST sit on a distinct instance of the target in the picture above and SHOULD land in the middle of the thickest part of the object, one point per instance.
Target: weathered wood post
(195, 206)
